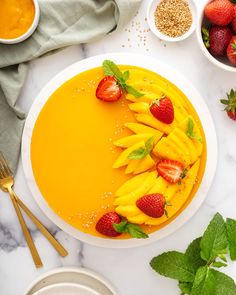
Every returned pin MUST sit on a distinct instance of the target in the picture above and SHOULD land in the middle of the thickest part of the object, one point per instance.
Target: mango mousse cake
(118, 151)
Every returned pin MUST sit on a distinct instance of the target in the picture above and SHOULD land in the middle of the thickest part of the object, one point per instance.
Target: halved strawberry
(108, 89)
(163, 110)
(170, 170)
(152, 205)
(105, 224)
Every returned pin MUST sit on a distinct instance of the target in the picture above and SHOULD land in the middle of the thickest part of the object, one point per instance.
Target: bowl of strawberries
(216, 32)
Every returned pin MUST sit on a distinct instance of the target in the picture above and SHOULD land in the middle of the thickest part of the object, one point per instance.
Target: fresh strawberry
(108, 89)
(170, 170)
(217, 39)
(219, 12)
(105, 224)
(230, 104)
(163, 110)
(152, 205)
(231, 51)
(233, 24)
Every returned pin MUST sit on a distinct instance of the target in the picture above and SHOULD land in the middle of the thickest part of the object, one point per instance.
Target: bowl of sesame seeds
(172, 20)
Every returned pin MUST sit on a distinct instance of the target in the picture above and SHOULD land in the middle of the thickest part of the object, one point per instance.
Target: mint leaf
(204, 283)
(219, 264)
(149, 144)
(126, 75)
(138, 154)
(190, 133)
(142, 152)
(231, 234)
(185, 288)
(133, 91)
(224, 284)
(136, 231)
(193, 251)
(133, 229)
(214, 240)
(111, 69)
(174, 265)
(120, 227)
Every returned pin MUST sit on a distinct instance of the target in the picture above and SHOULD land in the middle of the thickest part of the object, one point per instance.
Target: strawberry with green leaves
(230, 104)
(111, 88)
(111, 225)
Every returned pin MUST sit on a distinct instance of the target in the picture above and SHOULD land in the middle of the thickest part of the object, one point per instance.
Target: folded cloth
(62, 23)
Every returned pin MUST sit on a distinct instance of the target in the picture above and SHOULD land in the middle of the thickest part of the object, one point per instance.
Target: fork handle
(28, 237)
(59, 248)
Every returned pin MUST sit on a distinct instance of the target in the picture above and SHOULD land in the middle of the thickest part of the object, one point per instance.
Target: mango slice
(131, 184)
(164, 150)
(131, 197)
(145, 164)
(184, 127)
(141, 128)
(182, 137)
(159, 186)
(133, 164)
(128, 210)
(130, 140)
(139, 107)
(138, 219)
(153, 122)
(177, 146)
(123, 159)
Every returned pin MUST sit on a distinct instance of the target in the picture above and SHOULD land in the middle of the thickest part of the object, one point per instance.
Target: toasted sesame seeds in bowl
(172, 20)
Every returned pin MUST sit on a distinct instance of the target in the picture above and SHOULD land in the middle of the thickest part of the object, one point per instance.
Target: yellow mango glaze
(72, 149)
(16, 17)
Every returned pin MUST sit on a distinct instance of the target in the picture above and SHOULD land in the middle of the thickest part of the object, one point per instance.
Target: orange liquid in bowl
(72, 151)
(16, 17)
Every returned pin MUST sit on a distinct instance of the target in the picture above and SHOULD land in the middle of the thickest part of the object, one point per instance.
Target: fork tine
(4, 168)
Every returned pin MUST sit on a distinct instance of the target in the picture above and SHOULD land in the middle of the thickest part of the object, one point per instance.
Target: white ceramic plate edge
(76, 270)
(163, 70)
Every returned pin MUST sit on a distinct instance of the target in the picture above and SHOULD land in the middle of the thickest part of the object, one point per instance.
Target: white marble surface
(128, 270)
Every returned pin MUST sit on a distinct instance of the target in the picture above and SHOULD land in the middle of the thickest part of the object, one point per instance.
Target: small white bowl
(222, 62)
(151, 21)
(30, 31)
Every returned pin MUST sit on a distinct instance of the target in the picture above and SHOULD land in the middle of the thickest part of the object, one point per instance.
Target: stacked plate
(70, 281)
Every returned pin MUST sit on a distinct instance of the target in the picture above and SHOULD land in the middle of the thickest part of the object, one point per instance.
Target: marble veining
(129, 269)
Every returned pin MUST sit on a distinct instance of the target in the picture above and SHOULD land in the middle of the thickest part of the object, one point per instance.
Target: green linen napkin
(62, 23)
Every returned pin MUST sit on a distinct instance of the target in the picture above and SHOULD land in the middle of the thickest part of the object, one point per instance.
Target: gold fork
(6, 184)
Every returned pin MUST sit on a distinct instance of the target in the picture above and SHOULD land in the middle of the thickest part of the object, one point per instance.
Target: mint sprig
(111, 69)
(196, 268)
(190, 133)
(142, 152)
(133, 229)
